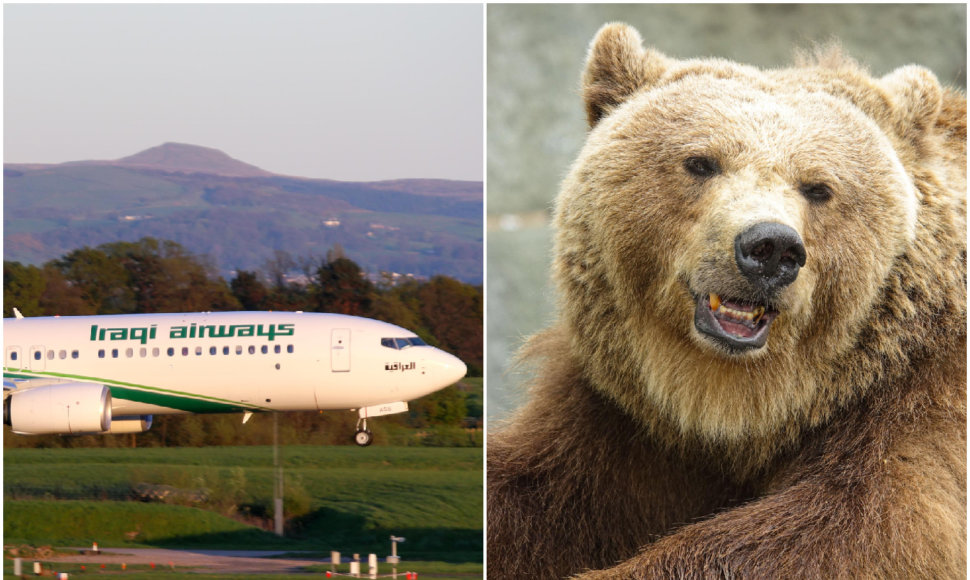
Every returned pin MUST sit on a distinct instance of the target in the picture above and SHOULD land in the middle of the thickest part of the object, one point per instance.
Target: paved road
(227, 561)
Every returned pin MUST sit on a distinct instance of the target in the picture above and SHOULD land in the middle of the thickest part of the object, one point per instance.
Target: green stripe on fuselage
(186, 404)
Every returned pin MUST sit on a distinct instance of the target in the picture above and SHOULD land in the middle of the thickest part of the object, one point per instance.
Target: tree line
(152, 275)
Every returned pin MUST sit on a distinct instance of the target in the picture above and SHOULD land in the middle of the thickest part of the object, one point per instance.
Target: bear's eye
(702, 167)
(816, 191)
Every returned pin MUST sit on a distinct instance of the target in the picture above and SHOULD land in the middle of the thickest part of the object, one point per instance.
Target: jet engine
(66, 409)
(130, 424)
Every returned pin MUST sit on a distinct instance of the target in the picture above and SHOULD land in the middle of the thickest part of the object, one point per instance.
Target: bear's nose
(769, 255)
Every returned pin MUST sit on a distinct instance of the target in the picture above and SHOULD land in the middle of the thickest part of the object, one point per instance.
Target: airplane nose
(449, 368)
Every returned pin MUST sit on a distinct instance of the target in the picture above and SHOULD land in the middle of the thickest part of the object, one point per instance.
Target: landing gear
(363, 436)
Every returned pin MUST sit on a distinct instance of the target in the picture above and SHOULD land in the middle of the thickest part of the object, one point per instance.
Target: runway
(224, 561)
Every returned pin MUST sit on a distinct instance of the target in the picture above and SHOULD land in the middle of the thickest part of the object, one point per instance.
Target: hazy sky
(353, 92)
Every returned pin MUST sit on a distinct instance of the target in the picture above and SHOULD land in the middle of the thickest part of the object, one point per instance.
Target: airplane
(112, 373)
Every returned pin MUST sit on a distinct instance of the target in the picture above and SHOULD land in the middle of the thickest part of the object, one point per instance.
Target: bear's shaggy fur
(653, 448)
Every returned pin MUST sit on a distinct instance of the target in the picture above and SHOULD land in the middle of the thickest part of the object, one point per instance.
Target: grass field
(336, 498)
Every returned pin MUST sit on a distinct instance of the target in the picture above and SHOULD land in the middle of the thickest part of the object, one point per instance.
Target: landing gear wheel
(363, 438)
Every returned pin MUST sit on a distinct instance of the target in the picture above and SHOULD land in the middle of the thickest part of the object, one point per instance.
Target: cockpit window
(402, 343)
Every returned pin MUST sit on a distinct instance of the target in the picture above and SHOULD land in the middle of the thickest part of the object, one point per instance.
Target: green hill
(239, 214)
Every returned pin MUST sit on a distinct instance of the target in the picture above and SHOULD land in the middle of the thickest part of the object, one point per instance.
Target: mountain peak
(184, 158)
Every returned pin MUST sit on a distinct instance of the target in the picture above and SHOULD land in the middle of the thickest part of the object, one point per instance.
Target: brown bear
(759, 367)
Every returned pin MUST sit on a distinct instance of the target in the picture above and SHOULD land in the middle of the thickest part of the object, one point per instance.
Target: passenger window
(198, 351)
(225, 350)
(62, 354)
(155, 351)
(142, 352)
(75, 354)
(170, 351)
(13, 355)
(265, 349)
(50, 355)
(101, 353)
(252, 349)
(38, 355)
(185, 351)
(238, 349)
(114, 353)
(289, 348)
(129, 352)
(213, 350)
(277, 349)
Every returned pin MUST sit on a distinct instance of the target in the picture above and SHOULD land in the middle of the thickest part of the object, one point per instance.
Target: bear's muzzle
(768, 256)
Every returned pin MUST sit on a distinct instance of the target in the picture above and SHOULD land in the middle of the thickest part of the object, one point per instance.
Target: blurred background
(536, 123)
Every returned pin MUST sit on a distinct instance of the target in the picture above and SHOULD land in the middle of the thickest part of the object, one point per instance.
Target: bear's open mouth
(737, 324)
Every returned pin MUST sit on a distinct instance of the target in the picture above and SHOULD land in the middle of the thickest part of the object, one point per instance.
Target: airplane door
(36, 358)
(14, 359)
(340, 350)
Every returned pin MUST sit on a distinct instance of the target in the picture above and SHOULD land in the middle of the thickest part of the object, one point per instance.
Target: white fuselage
(229, 361)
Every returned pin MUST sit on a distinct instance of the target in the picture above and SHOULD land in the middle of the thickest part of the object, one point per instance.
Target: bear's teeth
(717, 306)
(737, 314)
(715, 301)
(757, 313)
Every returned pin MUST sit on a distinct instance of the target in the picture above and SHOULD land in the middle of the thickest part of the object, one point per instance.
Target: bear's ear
(917, 99)
(616, 66)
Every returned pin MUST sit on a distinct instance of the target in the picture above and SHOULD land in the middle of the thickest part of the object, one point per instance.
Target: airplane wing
(21, 384)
